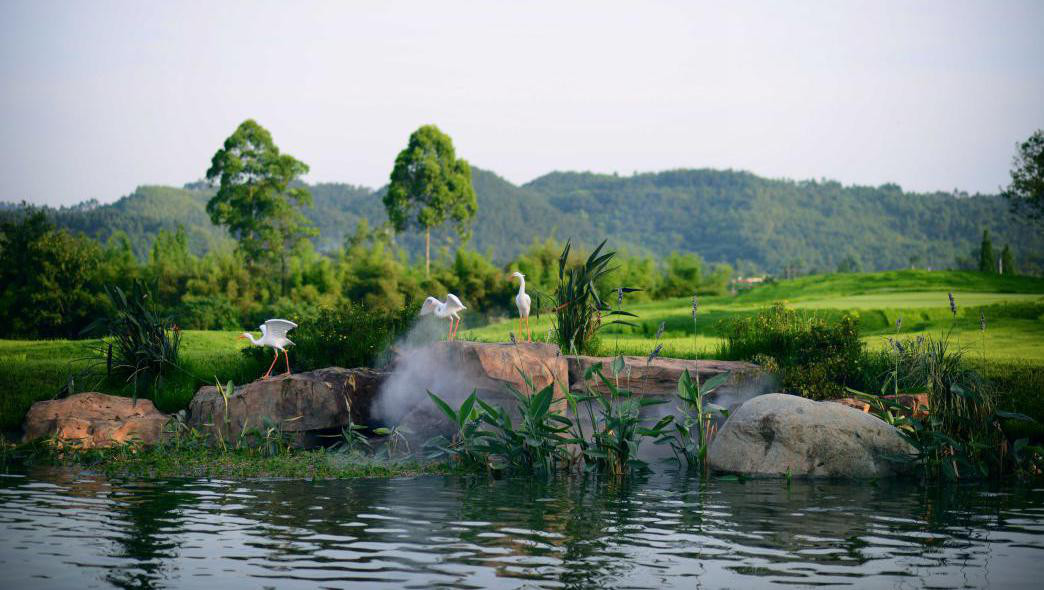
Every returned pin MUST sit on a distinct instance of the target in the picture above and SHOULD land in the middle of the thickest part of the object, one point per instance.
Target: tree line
(758, 225)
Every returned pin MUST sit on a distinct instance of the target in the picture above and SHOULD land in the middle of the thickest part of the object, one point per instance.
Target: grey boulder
(773, 434)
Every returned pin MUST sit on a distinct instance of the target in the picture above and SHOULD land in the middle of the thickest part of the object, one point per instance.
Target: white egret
(522, 302)
(273, 335)
(445, 309)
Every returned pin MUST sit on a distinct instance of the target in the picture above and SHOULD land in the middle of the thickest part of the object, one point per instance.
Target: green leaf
(465, 409)
(714, 382)
(593, 369)
(1014, 416)
(446, 409)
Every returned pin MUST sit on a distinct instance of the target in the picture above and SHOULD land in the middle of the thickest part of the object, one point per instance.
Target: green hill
(725, 216)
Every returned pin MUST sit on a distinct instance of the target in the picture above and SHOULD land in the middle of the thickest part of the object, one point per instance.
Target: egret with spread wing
(522, 302)
(273, 334)
(445, 309)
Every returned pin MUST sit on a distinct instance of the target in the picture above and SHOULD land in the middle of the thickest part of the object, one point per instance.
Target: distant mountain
(725, 216)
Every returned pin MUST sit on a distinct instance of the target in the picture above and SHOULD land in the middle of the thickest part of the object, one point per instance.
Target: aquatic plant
(537, 443)
(545, 440)
(615, 424)
(695, 430)
(465, 446)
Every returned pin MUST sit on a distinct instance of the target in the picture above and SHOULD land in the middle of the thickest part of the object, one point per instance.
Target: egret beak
(241, 337)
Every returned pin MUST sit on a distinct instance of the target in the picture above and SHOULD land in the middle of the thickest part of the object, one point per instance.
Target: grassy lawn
(1014, 321)
(1013, 307)
(35, 370)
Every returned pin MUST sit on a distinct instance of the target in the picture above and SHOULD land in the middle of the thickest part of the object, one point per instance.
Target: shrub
(813, 357)
(348, 335)
(578, 307)
(141, 346)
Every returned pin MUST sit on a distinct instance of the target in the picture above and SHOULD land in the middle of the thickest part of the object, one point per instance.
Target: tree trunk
(282, 275)
(427, 251)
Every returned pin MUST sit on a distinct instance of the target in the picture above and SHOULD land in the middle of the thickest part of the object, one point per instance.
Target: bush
(348, 335)
(578, 309)
(813, 357)
(141, 346)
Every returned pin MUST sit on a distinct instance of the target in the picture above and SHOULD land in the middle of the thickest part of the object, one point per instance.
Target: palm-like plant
(141, 346)
(578, 307)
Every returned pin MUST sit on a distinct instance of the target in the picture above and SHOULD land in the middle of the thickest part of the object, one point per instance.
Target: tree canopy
(429, 186)
(1026, 191)
(256, 198)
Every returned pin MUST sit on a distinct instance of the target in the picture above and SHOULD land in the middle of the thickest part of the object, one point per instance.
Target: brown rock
(852, 403)
(304, 405)
(914, 404)
(660, 377)
(91, 420)
(917, 404)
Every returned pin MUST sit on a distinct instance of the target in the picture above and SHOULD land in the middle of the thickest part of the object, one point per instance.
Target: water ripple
(60, 530)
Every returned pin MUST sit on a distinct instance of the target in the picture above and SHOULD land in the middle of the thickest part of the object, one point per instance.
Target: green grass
(1014, 309)
(36, 370)
(195, 460)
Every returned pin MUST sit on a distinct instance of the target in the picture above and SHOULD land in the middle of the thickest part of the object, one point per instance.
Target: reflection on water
(61, 529)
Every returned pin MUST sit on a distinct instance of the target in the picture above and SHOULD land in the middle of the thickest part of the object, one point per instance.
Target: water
(64, 529)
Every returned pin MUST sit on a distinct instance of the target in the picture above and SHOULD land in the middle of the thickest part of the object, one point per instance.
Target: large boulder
(307, 406)
(452, 370)
(94, 420)
(776, 433)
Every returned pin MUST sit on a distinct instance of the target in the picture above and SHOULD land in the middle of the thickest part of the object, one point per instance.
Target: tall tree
(257, 198)
(987, 261)
(1026, 191)
(1007, 261)
(430, 185)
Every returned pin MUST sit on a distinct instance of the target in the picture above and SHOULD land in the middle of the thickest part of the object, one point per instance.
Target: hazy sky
(99, 97)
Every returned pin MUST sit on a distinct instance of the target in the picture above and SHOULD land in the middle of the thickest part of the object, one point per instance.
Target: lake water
(66, 529)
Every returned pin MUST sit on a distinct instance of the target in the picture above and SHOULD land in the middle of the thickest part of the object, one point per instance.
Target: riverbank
(199, 461)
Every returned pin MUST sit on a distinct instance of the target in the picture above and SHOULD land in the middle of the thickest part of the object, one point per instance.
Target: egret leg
(529, 331)
(449, 335)
(519, 327)
(269, 372)
(456, 327)
(286, 355)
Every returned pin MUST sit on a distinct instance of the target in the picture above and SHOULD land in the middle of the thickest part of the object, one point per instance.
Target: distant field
(1013, 306)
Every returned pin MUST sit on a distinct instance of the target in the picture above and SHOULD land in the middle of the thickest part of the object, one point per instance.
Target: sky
(101, 97)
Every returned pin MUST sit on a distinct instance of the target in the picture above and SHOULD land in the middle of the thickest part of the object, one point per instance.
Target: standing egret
(522, 302)
(448, 309)
(273, 334)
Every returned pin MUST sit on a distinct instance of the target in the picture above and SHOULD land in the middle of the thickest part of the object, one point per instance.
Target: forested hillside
(724, 216)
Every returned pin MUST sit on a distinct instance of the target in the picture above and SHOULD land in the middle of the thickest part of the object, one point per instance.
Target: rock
(913, 404)
(916, 404)
(775, 432)
(660, 377)
(95, 420)
(853, 403)
(307, 406)
(452, 370)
